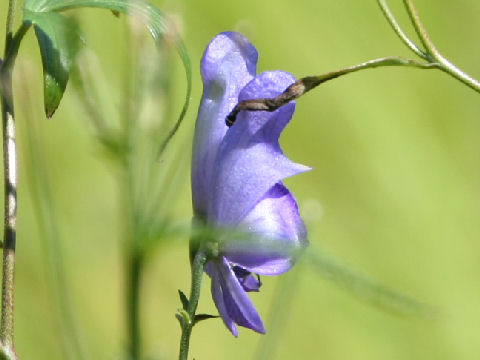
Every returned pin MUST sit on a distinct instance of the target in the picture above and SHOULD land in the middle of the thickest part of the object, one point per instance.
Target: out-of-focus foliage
(394, 191)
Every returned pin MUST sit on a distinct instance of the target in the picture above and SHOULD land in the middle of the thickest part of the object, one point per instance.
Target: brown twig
(304, 85)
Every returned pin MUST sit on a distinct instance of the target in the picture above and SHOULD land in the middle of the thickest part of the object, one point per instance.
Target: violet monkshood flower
(236, 178)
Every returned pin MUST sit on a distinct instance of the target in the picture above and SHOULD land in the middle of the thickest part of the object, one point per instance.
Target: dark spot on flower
(249, 281)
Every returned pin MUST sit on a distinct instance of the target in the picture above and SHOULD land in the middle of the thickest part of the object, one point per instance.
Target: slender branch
(398, 30)
(6, 66)
(12, 7)
(14, 44)
(10, 220)
(10, 188)
(198, 265)
(302, 86)
(419, 28)
(445, 65)
(10, 206)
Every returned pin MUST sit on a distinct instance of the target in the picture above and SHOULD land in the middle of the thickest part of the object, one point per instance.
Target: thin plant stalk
(133, 254)
(304, 85)
(10, 208)
(445, 65)
(123, 146)
(10, 195)
(399, 31)
(188, 317)
(134, 233)
(133, 305)
(134, 261)
(430, 52)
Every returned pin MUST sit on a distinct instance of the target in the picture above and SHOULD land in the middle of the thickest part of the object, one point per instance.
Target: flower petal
(228, 64)
(238, 305)
(217, 295)
(249, 160)
(276, 234)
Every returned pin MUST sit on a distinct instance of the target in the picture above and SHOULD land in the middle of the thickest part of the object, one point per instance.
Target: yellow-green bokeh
(394, 189)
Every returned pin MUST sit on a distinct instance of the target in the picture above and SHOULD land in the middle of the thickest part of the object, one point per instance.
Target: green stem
(398, 30)
(134, 260)
(129, 129)
(10, 189)
(197, 273)
(12, 45)
(445, 65)
(10, 208)
(419, 28)
(135, 268)
(430, 54)
(12, 7)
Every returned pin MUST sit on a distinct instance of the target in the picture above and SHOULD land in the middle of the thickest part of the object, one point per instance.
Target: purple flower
(236, 178)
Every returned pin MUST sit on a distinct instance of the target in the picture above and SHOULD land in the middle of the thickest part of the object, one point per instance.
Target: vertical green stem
(197, 272)
(10, 204)
(133, 305)
(134, 263)
(12, 5)
(10, 208)
(133, 252)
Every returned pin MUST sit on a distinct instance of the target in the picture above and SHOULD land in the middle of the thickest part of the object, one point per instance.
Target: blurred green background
(394, 192)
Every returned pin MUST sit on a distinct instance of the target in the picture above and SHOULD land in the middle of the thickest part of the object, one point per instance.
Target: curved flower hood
(236, 178)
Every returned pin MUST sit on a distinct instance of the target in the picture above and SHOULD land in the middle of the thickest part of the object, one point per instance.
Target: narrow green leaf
(155, 21)
(59, 40)
(183, 299)
(201, 317)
